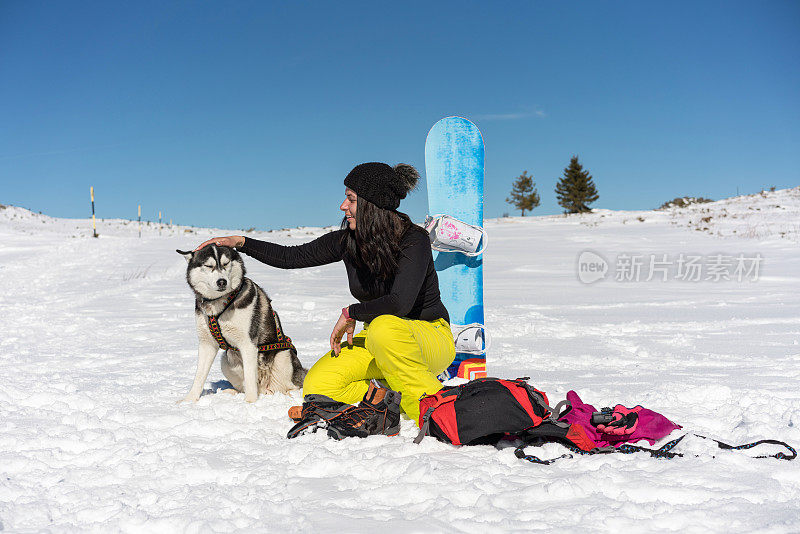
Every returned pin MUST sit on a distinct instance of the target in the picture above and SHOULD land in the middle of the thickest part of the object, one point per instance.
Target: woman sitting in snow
(406, 340)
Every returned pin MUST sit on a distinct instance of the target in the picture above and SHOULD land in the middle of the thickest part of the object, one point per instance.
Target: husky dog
(246, 320)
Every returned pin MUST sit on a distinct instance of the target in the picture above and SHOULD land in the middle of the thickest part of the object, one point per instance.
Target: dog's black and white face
(214, 271)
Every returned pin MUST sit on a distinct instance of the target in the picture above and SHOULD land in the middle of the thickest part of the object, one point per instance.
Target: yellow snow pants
(407, 353)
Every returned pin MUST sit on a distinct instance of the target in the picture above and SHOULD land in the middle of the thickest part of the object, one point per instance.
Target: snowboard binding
(448, 234)
(471, 338)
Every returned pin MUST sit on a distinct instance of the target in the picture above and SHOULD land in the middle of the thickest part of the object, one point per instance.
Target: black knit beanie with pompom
(381, 184)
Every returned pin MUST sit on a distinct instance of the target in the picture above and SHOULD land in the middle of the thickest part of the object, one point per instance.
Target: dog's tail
(300, 372)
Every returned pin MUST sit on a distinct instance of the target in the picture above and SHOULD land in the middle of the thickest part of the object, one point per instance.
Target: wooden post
(94, 224)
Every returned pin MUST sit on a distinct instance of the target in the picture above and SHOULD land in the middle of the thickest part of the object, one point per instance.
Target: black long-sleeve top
(413, 293)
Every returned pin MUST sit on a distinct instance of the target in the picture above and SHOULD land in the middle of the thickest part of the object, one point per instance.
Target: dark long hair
(374, 246)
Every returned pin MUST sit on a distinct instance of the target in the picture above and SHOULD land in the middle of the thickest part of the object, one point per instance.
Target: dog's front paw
(188, 398)
(250, 398)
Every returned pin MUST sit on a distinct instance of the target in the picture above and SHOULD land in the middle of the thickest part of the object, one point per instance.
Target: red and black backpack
(486, 410)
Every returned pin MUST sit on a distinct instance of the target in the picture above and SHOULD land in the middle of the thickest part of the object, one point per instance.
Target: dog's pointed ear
(186, 254)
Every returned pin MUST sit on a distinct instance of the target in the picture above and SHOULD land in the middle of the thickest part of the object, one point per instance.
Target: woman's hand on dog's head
(232, 241)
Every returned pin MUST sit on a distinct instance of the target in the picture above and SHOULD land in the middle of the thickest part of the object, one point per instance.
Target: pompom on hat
(381, 184)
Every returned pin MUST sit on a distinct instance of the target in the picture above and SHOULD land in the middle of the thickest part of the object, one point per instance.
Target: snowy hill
(696, 316)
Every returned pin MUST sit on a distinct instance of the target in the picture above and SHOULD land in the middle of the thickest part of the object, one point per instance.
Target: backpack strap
(780, 456)
(555, 413)
(440, 398)
(519, 452)
(426, 425)
(662, 452)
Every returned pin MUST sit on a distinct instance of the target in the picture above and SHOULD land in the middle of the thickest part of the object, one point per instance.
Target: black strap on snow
(520, 453)
(779, 456)
(663, 452)
(426, 426)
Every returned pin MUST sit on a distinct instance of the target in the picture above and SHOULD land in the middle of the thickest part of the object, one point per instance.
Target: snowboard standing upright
(454, 172)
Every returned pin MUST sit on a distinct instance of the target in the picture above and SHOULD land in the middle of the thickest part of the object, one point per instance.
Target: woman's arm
(322, 250)
(325, 249)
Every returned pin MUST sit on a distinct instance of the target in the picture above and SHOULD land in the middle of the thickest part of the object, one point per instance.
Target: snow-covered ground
(97, 343)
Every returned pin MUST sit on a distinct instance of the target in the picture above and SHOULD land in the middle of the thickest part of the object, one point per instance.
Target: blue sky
(249, 114)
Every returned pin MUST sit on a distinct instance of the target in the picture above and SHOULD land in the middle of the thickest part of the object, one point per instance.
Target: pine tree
(575, 190)
(524, 195)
